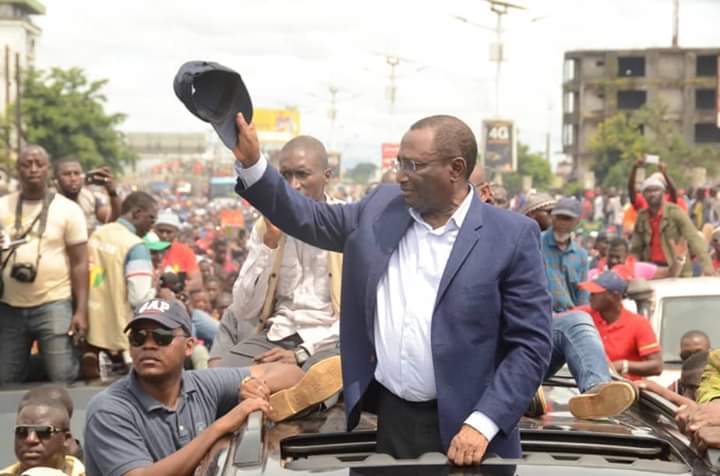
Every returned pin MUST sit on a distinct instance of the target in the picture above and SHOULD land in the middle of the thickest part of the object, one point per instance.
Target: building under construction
(599, 83)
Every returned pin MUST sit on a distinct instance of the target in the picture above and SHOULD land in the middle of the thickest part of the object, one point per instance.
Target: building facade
(599, 83)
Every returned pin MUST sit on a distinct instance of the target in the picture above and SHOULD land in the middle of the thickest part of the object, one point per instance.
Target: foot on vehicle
(536, 409)
(604, 400)
(320, 382)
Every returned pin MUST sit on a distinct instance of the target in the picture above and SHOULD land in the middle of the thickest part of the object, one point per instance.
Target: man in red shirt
(630, 343)
(179, 258)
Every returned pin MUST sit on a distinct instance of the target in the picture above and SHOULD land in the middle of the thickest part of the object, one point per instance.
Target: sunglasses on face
(162, 337)
(42, 431)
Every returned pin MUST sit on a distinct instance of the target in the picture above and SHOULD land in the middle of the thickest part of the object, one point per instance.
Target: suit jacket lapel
(388, 230)
(466, 240)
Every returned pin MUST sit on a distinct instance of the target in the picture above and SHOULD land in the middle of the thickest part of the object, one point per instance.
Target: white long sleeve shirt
(406, 297)
(303, 304)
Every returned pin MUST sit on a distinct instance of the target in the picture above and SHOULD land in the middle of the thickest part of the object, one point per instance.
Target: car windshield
(682, 314)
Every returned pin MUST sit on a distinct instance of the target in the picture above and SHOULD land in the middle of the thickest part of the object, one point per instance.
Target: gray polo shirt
(127, 429)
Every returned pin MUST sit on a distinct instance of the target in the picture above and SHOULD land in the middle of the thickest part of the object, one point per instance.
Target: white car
(675, 306)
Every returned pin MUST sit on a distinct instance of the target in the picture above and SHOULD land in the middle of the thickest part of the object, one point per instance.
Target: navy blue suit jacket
(490, 332)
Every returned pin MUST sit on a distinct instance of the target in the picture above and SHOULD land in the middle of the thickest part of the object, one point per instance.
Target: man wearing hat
(179, 258)
(629, 341)
(538, 206)
(161, 419)
(661, 224)
(121, 277)
(638, 202)
(566, 263)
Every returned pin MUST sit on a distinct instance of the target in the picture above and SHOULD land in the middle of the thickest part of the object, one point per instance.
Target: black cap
(170, 314)
(215, 94)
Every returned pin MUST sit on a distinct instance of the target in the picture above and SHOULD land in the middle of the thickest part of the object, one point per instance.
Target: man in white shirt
(290, 288)
(446, 314)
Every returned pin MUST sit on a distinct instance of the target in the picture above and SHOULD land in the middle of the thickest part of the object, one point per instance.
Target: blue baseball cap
(171, 314)
(567, 206)
(607, 281)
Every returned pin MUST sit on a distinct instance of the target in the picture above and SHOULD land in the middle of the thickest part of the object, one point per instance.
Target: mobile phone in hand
(652, 159)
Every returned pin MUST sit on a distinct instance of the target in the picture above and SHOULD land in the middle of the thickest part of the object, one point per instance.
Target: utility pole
(393, 61)
(676, 23)
(499, 8)
(332, 114)
(18, 115)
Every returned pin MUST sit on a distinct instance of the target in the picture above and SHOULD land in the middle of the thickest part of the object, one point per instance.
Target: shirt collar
(148, 403)
(457, 218)
(127, 224)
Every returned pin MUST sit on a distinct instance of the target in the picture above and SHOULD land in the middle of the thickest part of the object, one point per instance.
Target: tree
(623, 136)
(65, 113)
(361, 173)
(531, 164)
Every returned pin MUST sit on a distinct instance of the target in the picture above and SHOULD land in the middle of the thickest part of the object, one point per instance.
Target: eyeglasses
(162, 337)
(42, 431)
(409, 165)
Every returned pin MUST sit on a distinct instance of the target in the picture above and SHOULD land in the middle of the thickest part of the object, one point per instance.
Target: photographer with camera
(69, 182)
(40, 277)
(121, 278)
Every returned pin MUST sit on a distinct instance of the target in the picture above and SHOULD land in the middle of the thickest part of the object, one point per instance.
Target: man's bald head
(306, 146)
(303, 162)
(53, 393)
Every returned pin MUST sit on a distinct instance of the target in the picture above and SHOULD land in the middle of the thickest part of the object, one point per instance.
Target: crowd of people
(153, 293)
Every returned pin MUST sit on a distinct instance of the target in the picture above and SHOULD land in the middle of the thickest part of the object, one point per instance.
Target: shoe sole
(537, 406)
(320, 382)
(612, 399)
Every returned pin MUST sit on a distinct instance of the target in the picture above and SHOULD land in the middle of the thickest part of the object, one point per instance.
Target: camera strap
(41, 217)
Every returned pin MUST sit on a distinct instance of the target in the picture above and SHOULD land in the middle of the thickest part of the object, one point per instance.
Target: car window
(682, 314)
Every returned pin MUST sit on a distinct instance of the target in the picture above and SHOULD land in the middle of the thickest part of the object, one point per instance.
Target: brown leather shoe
(604, 400)
(320, 382)
(536, 409)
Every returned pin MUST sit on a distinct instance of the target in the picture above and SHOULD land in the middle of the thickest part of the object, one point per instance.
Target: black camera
(23, 272)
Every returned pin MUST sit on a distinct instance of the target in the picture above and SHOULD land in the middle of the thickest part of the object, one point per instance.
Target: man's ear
(458, 167)
(189, 345)
(327, 173)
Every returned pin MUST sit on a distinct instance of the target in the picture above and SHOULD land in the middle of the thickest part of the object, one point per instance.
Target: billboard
(276, 125)
(499, 149)
(389, 152)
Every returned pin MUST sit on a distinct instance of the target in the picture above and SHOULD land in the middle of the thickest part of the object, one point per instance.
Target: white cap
(166, 217)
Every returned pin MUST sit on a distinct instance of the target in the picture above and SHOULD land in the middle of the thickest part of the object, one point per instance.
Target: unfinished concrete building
(597, 84)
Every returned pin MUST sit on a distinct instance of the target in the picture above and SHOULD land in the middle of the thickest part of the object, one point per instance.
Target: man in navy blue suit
(445, 329)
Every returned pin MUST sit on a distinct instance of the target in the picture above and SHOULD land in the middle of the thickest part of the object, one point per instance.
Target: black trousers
(406, 429)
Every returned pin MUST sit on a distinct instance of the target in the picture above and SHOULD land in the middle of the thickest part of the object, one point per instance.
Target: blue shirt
(126, 429)
(565, 269)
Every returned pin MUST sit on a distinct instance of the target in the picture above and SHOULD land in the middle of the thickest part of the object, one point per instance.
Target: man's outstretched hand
(247, 150)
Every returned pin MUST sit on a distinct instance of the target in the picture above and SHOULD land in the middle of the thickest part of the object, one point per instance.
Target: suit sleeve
(319, 224)
(525, 335)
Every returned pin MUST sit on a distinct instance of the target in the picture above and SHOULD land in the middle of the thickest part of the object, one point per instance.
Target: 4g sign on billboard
(499, 151)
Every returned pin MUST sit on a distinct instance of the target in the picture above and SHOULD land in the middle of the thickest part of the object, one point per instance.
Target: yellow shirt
(73, 467)
(65, 227)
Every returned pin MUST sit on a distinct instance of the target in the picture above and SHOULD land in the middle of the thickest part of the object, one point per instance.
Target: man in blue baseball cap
(629, 341)
(566, 263)
(162, 419)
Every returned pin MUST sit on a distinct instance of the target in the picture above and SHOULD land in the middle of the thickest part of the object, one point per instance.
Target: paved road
(8, 407)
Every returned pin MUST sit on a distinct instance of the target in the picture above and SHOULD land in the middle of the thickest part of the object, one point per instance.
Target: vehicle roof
(640, 441)
(700, 286)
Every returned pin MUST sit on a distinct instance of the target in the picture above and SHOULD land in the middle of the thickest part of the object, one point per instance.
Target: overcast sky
(290, 52)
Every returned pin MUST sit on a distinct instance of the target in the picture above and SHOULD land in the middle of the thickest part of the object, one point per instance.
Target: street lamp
(499, 8)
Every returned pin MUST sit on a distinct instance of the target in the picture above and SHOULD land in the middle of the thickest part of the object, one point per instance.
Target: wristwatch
(301, 355)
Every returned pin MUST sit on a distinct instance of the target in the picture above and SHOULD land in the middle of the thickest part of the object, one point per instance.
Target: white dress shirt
(303, 305)
(406, 297)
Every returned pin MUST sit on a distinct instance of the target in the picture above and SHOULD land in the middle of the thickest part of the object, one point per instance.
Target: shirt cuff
(252, 174)
(483, 424)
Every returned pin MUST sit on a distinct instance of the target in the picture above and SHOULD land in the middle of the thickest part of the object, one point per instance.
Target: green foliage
(64, 112)
(532, 164)
(361, 173)
(621, 138)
